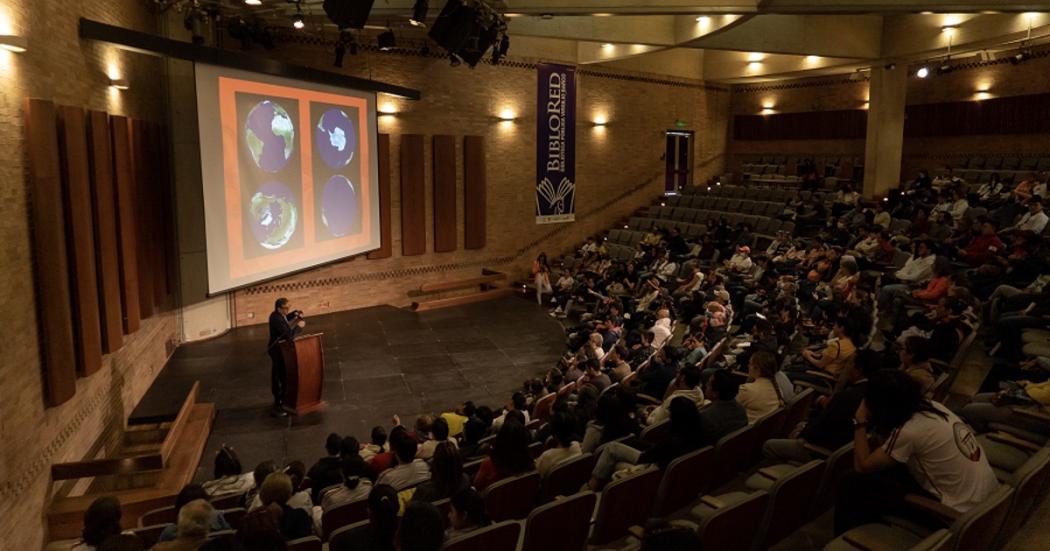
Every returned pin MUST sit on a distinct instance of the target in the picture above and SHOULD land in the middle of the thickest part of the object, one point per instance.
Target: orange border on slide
(239, 266)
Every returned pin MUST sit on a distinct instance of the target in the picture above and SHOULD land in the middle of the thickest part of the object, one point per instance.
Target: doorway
(679, 161)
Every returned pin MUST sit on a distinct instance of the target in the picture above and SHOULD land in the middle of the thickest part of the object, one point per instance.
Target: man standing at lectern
(285, 324)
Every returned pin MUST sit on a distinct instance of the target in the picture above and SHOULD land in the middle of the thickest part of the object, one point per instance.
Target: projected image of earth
(272, 215)
(336, 138)
(270, 135)
(339, 208)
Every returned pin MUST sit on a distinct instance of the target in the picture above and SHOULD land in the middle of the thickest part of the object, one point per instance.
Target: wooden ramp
(147, 472)
(442, 294)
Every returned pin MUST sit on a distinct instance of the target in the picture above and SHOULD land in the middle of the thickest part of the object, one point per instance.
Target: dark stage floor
(380, 361)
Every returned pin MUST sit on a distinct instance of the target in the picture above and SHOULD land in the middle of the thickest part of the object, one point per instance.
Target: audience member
(194, 524)
(229, 479)
(760, 396)
(192, 492)
(380, 534)
(409, 471)
(565, 444)
(446, 475)
(326, 472)
(422, 528)
(466, 513)
(101, 520)
(354, 487)
(724, 415)
(510, 456)
(292, 522)
(685, 385)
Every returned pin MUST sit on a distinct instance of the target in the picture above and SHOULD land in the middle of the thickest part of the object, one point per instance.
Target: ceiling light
(13, 43)
(703, 19)
(926, 12)
(811, 59)
(253, 2)
(602, 14)
(386, 40)
(419, 14)
(754, 66)
(547, 16)
(923, 72)
(119, 83)
(607, 46)
(949, 30)
(756, 56)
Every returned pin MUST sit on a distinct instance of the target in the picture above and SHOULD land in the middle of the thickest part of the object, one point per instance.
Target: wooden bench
(485, 283)
(146, 474)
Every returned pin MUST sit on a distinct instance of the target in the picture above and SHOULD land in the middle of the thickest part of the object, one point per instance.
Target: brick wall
(460, 101)
(825, 94)
(58, 66)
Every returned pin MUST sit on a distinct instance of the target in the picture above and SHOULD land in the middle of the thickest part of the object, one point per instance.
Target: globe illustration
(270, 135)
(336, 138)
(339, 208)
(272, 215)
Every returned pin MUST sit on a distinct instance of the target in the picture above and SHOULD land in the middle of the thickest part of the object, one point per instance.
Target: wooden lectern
(303, 373)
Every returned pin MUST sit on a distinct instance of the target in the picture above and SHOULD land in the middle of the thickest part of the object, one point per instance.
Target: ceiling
(729, 41)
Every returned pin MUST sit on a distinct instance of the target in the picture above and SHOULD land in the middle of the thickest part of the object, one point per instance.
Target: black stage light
(348, 14)
(419, 13)
(298, 21)
(386, 40)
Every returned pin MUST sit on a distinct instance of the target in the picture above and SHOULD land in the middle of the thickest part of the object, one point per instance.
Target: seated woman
(613, 416)
(229, 480)
(927, 450)
(915, 361)
(466, 513)
(760, 396)
(293, 523)
(839, 351)
(355, 486)
(685, 436)
(565, 446)
(439, 432)
(510, 456)
(380, 532)
(446, 475)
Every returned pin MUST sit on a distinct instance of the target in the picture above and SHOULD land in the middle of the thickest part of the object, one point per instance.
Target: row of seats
(774, 159)
(761, 207)
(995, 162)
(755, 193)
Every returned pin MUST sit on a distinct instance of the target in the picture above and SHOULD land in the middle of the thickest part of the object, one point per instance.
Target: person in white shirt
(919, 267)
(687, 385)
(438, 434)
(740, 262)
(1034, 220)
(662, 328)
(665, 268)
(941, 453)
(409, 470)
(761, 396)
(960, 206)
(565, 447)
(229, 480)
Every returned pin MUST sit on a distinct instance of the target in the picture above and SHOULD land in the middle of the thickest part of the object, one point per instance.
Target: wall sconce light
(982, 95)
(600, 120)
(387, 109)
(949, 30)
(119, 83)
(755, 57)
(507, 115)
(13, 43)
(768, 111)
(812, 59)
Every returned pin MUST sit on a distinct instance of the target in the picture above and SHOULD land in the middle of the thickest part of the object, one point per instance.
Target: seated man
(409, 471)
(1034, 220)
(614, 363)
(998, 407)
(724, 414)
(194, 524)
(685, 385)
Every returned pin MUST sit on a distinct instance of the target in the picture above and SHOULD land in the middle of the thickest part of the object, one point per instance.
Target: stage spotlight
(945, 68)
(297, 20)
(1020, 57)
(923, 72)
(386, 40)
(419, 14)
(454, 60)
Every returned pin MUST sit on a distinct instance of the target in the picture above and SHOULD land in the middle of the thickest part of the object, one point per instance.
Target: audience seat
(343, 515)
(684, 479)
(309, 543)
(625, 503)
(563, 524)
(655, 433)
(162, 515)
(234, 516)
(567, 477)
(974, 530)
(228, 502)
(513, 497)
(150, 534)
(797, 411)
(341, 539)
(1030, 482)
(731, 526)
(789, 501)
(502, 535)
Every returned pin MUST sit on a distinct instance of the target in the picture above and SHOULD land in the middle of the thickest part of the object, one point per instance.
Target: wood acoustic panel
(124, 179)
(161, 202)
(474, 185)
(47, 224)
(107, 256)
(385, 248)
(80, 239)
(146, 242)
(413, 196)
(444, 158)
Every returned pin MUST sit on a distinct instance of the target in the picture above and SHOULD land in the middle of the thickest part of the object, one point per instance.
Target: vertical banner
(555, 143)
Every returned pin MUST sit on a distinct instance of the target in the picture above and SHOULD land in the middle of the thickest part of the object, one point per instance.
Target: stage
(379, 361)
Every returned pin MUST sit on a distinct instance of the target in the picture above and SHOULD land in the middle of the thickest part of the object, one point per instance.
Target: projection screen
(289, 174)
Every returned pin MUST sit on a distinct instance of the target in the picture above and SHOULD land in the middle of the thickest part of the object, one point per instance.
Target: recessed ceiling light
(607, 46)
(923, 72)
(119, 83)
(253, 2)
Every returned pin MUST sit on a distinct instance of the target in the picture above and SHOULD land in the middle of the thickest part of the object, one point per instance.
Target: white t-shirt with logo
(943, 455)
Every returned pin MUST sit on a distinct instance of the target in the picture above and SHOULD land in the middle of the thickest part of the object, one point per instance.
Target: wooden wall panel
(445, 226)
(126, 230)
(49, 253)
(847, 124)
(385, 248)
(80, 239)
(413, 196)
(145, 240)
(161, 203)
(474, 184)
(107, 257)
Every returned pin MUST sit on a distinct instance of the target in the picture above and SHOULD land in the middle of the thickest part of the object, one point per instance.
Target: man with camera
(285, 324)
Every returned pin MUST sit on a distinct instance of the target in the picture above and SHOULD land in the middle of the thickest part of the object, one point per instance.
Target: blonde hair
(277, 488)
(195, 519)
